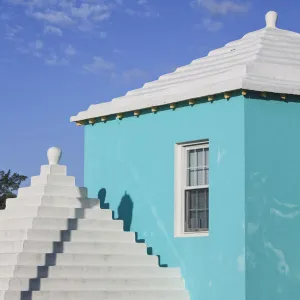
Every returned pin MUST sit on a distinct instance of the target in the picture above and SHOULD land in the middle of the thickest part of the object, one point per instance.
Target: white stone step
(53, 190)
(55, 212)
(61, 224)
(66, 259)
(66, 284)
(89, 272)
(53, 170)
(55, 201)
(53, 180)
(96, 295)
(73, 247)
(65, 235)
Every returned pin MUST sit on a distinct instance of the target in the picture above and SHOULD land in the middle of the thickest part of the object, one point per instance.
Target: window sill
(192, 234)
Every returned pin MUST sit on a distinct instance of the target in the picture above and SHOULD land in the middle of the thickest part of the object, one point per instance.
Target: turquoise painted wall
(133, 159)
(272, 147)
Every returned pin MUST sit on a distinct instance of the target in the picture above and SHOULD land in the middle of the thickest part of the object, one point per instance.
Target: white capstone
(271, 19)
(54, 155)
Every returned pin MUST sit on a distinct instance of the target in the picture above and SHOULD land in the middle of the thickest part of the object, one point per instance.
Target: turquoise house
(204, 165)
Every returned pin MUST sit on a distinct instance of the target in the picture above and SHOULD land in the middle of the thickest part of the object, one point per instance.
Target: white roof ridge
(181, 75)
(263, 60)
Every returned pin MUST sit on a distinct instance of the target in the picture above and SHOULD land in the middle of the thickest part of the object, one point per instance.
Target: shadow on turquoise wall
(102, 198)
(125, 208)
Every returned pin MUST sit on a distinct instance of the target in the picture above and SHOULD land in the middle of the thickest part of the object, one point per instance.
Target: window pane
(192, 177)
(200, 171)
(206, 156)
(200, 176)
(200, 158)
(193, 201)
(191, 168)
(202, 199)
(196, 210)
(203, 219)
(192, 158)
(194, 221)
(197, 167)
(206, 165)
(206, 176)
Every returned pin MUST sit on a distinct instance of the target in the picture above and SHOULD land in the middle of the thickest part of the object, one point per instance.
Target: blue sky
(59, 56)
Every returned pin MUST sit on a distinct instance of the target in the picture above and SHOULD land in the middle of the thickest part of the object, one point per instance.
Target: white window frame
(180, 187)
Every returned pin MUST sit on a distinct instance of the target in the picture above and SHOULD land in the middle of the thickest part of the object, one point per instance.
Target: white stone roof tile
(264, 60)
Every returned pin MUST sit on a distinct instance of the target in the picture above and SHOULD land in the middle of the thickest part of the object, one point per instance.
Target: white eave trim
(139, 103)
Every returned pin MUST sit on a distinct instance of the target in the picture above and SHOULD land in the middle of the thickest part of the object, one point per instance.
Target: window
(191, 189)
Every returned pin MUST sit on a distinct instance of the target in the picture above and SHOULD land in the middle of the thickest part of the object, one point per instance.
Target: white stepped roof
(264, 60)
(56, 243)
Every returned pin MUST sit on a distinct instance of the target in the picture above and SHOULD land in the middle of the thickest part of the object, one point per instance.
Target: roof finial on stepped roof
(271, 19)
(54, 155)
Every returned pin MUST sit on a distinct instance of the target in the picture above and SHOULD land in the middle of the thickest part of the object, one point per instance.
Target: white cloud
(15, 2)
(70, 50)
(32, 3)
(131, 12)
(58, 17)
(23, 50)
(85, 10)
(11, 32)
(223, 6)
(210, 25)
(142, 14)
(117, 51)
(133, 74)
(127, 76)
(34, 48)
(86, 25)
(52, 16)
(84, 17)
(37, 49)
(38, 44)
(102, 17)
(144, 10)
(53, 60)
(49, 29)
(98, 65)
(102, 34)
(5, 17)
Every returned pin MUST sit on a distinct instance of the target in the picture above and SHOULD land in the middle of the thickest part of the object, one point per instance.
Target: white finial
(271, 19)
(54, 155)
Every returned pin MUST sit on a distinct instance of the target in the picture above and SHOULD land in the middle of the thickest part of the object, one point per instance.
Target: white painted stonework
(54, 155)
(55, 243)
(267, 60)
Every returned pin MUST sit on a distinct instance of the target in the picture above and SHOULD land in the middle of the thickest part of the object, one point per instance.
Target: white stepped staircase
(56, 244)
